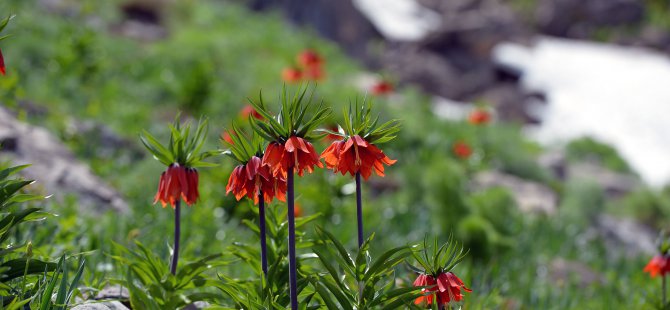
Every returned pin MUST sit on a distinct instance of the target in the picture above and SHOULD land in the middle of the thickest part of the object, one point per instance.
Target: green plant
(362, 281)
(153, 286)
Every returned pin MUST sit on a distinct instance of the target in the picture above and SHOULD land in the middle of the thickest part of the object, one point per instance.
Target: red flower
(313, 73)
(448, 289)
(356, 155)
(462, 150)
(252, 178)
(177, 182)
(226, 137)
(297, 210)
(658, 265)
(296, 153)
(248, 110)
(2, 64)
(291, 75)
(309, 58)
(425, 280)
(332, 137)
(382, 88)
(479, 117)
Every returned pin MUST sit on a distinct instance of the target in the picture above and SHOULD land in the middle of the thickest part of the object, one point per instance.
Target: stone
(113, 292)
(562, 271)
(531, 197)
(54, 167)
(615, 184)
(626, 234)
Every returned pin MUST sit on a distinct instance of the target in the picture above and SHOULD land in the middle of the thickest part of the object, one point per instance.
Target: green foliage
(292, 118)
(152, 286)
(589, 149)
(271, 292)
(362, 281)
(182, 148)
(358, 121)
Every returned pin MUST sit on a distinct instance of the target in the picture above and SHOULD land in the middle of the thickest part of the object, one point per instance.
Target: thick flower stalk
(253, 180)
(357, 153)
(439, 284)
(180, 180)
(289, 133)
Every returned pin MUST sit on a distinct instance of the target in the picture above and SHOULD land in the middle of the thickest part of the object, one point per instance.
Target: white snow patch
(616, 94)
(400, 20)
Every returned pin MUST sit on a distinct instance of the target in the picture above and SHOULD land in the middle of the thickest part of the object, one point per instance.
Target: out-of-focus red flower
(2, 64)
(291, 75)
(314, 73)
(251, 178)
(175, 183)
(382, 88)
(479, 117)
(226, 137)
(446, 288)
(309, 58)
(356, 155)
(658, 265)
(332, 137)
(248, 110)
(462, 150)
(296, 153)
(297, 210)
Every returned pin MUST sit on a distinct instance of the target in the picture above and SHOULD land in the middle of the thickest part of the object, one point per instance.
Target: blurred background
(559, 196)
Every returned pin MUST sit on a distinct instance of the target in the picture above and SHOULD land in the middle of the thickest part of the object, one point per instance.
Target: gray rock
(54, 166)
(531, 197)
(103, 305)
(582, 19)
(113, 292)
(627, 234)
(615, 184)
(562, 271)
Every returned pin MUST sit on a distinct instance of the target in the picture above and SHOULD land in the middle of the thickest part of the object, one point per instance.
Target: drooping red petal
(2, 64)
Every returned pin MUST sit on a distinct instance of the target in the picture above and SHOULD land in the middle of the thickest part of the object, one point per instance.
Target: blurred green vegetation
(74, 65)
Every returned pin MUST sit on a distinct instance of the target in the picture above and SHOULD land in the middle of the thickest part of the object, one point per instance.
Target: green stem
(177, 232)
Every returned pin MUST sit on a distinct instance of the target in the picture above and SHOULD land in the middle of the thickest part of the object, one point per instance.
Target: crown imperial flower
(181, 156)
(357, 152)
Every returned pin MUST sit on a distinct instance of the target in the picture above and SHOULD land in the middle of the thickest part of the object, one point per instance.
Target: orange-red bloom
(248, 110)
(291, 75)
(462, 150)
(296, 153)
(356, 155)
(382, 88)
(446, 288)
(2, 63)
(177, 182)
(479, 117)
(226, 137)
(309, 58)
(658, 265)
(313, 73)
(252, 178)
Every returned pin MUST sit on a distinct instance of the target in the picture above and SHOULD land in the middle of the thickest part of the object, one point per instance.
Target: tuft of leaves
(183, 148)
(292, 118)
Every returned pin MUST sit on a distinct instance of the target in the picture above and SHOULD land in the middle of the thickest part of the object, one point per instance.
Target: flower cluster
(309, 68)
(462, 150)
(177, 182)
(356, 155)
(296, 153)
(251, 178)
(439, 284)
(3, 24)
(445, 288)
